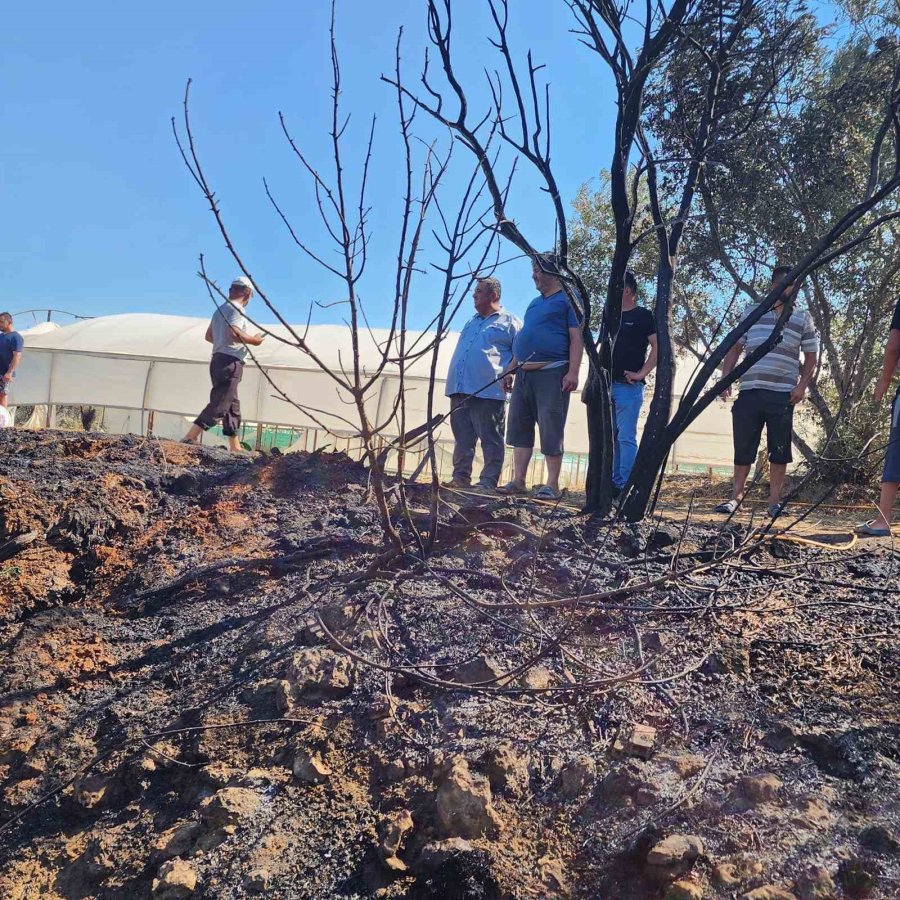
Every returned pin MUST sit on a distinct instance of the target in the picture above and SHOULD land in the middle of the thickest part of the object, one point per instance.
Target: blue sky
(100, 215)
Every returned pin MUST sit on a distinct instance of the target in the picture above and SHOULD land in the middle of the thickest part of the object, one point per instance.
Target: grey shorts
(538, 398)
(892, 455)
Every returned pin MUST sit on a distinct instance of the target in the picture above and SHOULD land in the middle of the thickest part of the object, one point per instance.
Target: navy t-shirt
(895, 319)
(544, 336)
(10, 343)
(630, 351)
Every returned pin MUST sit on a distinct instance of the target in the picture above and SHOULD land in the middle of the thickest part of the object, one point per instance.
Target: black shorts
(757, 408)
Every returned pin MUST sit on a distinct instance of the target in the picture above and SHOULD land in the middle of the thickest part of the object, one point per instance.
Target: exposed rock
(437, 853)
(393, 829)
(176, 841)
(91, 792)
(316, 673)
(537, 679)
(736, 871)
(688, 764)
(684, 890)
(879, 839)
(577, 777)
(229, 806)
(553, 875)
(759, 788)
(673, 856)
(812, 813)
(310, 768)
(636, 740)
(507, 770)
(175, 880)
(768, 892)
(258, 881)
(858, 876)
(478, 670)
(728, 661)
(816, 884)
(464, 807)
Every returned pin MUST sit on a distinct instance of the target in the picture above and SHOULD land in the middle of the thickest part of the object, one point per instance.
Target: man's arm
(649, 365)
(730, 361)
(209, 335)
(254, 340)
(576, 350)
(810, 358)
(891, 359)
(12, 366)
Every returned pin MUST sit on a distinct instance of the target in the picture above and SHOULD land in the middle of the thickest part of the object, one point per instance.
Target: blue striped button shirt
(483, 351)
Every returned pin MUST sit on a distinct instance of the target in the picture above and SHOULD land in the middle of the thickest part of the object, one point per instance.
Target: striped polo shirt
(779, 369)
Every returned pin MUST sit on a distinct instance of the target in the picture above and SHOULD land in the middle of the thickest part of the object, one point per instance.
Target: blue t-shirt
(544, 336)
(10, 343)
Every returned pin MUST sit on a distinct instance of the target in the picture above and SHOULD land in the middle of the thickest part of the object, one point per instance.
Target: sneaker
(775, 510)
(727, 508)
(457, 483)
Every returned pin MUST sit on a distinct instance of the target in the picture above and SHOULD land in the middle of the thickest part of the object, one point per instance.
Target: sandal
(512, 489)
(867, 529)
(727, 507)
(545, 492)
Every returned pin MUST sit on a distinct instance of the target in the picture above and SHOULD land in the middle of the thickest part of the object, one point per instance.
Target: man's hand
(881, 388)
(570, 382)
(633, 377)
(7, 377)
(798, 394)
(726, 394)
(507, 383)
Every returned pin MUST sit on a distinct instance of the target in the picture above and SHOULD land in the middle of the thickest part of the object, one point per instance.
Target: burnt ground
(211, 687)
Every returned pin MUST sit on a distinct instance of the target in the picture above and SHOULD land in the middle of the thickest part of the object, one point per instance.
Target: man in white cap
(227, 333)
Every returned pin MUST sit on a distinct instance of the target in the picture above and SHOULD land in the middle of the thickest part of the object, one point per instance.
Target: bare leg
(776, 481)
(521, 459)
(234, 444)
(193, 434)
(740, 481)
(554, 464)
(886, 504)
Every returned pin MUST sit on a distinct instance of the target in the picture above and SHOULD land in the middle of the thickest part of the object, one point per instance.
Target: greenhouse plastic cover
(155, 362)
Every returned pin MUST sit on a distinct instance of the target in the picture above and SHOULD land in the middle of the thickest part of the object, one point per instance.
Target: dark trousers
(475, 419)
(225, 372)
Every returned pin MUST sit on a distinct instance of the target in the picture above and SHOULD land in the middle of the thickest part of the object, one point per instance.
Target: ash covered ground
(213, 685)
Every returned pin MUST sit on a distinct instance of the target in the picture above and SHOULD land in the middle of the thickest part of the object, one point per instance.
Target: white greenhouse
(148, 373)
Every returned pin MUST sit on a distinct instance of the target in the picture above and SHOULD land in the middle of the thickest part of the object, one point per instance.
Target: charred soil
(213, 684)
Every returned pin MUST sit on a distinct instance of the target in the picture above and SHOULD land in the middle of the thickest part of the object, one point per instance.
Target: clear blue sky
(99, 214)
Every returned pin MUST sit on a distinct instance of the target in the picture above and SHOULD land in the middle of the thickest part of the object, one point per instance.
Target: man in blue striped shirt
(477, 397)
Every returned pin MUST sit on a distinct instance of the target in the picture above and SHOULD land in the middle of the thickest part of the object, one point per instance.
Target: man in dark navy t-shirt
(631, 364)
(11, 344)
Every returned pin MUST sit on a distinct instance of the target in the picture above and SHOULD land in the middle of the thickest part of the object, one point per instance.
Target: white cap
(242, 282)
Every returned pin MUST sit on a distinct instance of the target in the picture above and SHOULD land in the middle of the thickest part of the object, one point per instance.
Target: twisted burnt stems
(463, 242)
(742, 52)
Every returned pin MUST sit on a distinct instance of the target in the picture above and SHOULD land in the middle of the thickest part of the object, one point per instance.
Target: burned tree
(718, 68)
(342, 206)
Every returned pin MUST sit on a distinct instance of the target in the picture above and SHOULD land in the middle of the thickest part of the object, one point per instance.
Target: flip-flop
(869, 530)
(545, 492)
(512, 489)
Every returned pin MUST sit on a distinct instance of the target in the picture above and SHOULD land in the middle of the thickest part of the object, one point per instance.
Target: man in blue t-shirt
(11, 344)
(548, 348)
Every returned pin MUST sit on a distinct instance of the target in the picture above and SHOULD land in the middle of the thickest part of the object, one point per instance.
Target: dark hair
(779, 272)
(631, 281)
(7, 317)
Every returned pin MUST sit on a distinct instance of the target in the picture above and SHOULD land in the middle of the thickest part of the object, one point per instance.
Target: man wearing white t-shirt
(227, 332)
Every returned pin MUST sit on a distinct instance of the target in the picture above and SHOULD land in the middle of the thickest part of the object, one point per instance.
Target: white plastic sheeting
(143, 362)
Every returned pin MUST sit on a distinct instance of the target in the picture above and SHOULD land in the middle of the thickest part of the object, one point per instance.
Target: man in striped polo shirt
(770, 390)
